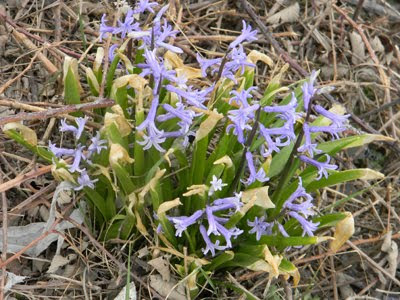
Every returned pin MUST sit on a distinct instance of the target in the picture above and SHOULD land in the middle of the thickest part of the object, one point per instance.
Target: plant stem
(247, 145)
(284, 179)
(221, 67)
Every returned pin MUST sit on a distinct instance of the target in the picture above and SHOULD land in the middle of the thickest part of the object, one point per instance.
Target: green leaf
(335, 146)
(111, 73)
(71, 88)
(219, 260)
(124, 179)
(287, 266)
(128, 224)
(42, 152)
(329, 220)
(349, 197)
(283, 242)
(344, 176)
(98, 202)
(199, 161)
(139, 166)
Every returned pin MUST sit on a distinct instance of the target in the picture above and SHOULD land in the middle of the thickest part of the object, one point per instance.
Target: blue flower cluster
(243, 123)
(337, 126)
(216, 221)
(295, 208)
(79, 154)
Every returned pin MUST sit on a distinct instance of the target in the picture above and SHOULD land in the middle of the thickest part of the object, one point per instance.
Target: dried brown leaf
(289, 14)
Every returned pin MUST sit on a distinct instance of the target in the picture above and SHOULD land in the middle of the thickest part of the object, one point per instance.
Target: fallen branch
(41, 113)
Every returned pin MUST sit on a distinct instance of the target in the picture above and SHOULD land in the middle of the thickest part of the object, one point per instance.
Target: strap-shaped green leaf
(344, 176)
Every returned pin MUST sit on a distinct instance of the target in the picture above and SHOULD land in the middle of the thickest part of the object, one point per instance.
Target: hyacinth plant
(197, 161)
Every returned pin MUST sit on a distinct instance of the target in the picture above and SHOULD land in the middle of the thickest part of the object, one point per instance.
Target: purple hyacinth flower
(228, 203)
(260, 175)
(216, 228)
(155, 68)
(228, 73)
(160, 13)
(78, 156)
(309, 90)
(97, 144)
(66, 127)
(238, 60)
(144, 5)
(308, 146)
(185, 115)
(241, 97)
(167, 33)
(240, 118)
(59, 152)
(269, 141)
(128, 25)
(104, 29)
(308, 226)
(228, 234)
(210, 246)
(332, 130)
(305, 208)
(282, 229)
(111, 52)
(285, 134)
(81, 126)
(215, 185)
(208, 63)
(337, 120)
(151, 116)
(247, 35)
(76, 131)
(321, 166)
(193, 97)
(85, 181)
(212, 222)
(183, 222)
(259, 226)
(169, 47)
(154, 137)
(286, 112)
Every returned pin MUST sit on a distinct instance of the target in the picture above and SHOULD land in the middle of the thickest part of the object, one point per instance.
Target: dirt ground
(356, 46)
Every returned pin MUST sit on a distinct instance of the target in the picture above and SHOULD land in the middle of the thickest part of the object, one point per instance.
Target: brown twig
(288, 289)
(358, 9)
(374, 264)
(37, 38)
(109, 255)
(30, 245)
(344, 248)
(384, 78)
(5, 241)
(11, 81)
(334, 283)
(51, 68)
(286, 57)
(44, 114)
(380, 108)
(5, 186)
(25, 204)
